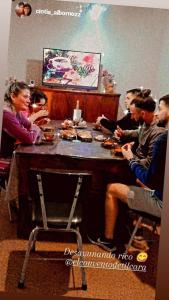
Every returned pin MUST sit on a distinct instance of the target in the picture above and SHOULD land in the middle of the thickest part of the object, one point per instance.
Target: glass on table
(58, 135)
(49, 133)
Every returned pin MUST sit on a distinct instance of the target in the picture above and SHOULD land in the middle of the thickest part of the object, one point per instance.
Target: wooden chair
(57, 197)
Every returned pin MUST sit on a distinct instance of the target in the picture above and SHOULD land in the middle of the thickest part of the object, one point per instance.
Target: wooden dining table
(74, 155)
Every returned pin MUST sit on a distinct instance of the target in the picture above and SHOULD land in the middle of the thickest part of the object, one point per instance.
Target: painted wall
(136, 54)
(5, 9)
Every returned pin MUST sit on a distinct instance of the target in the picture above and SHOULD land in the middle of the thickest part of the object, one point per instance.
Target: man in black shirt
(126, 122)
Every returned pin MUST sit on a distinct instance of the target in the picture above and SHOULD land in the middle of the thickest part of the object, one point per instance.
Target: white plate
(80, 126)
(100, 138)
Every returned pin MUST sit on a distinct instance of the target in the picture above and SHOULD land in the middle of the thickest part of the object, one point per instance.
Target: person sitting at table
(142, 110)
(15, 126)
(143, 199)
(109, 126)
(38, 112)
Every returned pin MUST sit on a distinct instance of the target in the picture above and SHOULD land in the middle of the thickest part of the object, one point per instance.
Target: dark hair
(30, 8)
(144, 93)
(15, 88)
(140, 93)
(37, 95)
(20, 3)
(134, 91)
(147, 104)
(165, 99)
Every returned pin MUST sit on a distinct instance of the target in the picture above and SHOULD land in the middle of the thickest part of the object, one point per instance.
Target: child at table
(38, 108)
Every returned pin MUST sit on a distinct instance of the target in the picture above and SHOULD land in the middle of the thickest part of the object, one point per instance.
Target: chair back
(57, 195)
(4, 171)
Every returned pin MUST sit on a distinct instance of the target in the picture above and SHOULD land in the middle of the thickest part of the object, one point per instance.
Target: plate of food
(80, 124)
(84, 136)
(100, 138)
(108, 144)
(117, 151)
(66, 124)
(68, 134)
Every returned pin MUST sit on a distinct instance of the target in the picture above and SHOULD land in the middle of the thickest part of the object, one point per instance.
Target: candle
(77, 104)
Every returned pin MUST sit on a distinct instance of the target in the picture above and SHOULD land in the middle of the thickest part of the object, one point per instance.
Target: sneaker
(106, 244)
(92, 240)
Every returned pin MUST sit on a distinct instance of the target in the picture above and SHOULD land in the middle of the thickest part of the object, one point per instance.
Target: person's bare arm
(41, 113)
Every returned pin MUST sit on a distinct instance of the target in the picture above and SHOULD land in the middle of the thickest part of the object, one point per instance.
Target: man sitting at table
(127, 122)
(142, 110)
(143, 199)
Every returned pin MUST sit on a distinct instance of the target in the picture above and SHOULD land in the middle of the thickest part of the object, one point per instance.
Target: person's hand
(127, 152)
(118, 133)
(43, 121)
(105, 130)
(99, 119)
(39, 114)
(36, 128)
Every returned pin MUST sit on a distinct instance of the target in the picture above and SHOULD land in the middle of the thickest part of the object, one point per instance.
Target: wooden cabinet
(61, 104)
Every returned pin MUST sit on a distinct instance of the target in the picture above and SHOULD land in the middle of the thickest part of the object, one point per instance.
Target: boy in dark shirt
(109, 126)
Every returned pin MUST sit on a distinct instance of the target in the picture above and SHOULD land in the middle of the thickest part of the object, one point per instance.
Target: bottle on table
(77, 113)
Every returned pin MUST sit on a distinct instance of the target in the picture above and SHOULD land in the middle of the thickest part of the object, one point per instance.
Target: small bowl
(48, 129)
(48, 136)
(108, 144)
(118, 152)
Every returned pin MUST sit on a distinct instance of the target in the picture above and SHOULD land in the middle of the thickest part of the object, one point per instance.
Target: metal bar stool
(140, 217)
